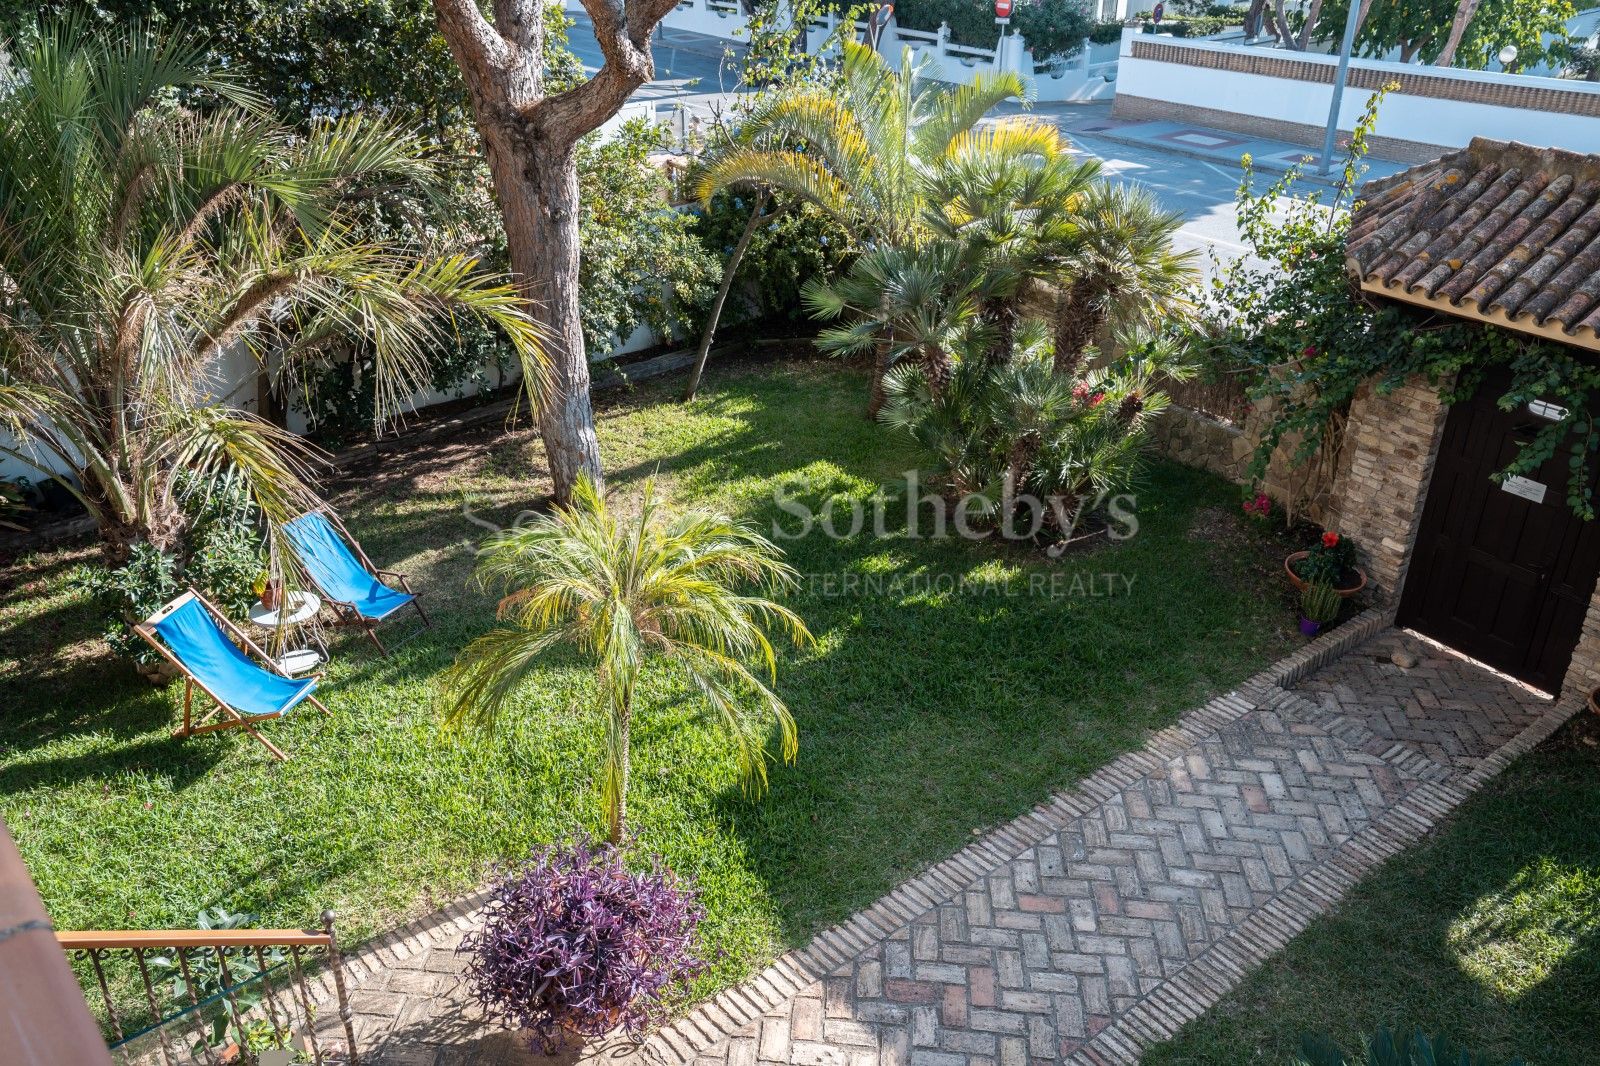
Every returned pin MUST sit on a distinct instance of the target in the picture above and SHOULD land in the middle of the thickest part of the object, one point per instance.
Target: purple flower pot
(1310, 628)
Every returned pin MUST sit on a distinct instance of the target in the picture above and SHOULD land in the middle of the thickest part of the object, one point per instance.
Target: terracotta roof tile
(1497, 231)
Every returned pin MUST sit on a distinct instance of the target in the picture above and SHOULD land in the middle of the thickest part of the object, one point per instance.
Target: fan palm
(906, 302)
(1118, 268)
(1010, 193)
(621, 592)
(142, 243)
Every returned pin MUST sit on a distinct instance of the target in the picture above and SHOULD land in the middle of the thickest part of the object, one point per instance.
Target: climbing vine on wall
(1291, 324)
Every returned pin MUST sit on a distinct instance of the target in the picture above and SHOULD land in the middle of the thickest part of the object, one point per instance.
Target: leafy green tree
(139, 242)
(640, 262)
(317, 57)
(1421, 31)
(623, 591)
(531, 125)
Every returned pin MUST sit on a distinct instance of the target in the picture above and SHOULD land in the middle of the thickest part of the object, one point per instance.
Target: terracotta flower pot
(1594, 706)
(270, 594)
(1300, 583)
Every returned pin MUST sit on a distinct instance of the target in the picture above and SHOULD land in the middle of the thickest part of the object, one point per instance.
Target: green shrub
(338, 400)
(1054, 28)
(796, 244)
(1105, 32)
(639, 263)
(1384, 1049)
(220, 553)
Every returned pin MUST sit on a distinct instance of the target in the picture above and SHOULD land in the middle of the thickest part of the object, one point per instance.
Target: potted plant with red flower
(1331, 561)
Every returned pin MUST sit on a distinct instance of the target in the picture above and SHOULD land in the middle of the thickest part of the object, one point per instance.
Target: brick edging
(1211, 975)
(734, 1008)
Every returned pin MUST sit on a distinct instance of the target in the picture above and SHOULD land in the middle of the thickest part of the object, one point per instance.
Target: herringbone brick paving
(1097, 924)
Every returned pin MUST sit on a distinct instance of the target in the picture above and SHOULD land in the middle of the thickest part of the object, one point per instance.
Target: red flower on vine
(1309, 351)
(1330, 539)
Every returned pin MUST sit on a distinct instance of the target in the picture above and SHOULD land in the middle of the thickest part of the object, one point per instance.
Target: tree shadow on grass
(183, 760)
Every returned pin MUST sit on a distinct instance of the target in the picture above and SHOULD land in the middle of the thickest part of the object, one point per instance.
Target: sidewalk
(1098, 923)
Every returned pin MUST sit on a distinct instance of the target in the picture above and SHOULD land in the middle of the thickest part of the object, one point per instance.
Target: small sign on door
(1527, 488)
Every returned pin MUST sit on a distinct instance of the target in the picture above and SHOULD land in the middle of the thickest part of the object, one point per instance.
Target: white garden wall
(1270, 92)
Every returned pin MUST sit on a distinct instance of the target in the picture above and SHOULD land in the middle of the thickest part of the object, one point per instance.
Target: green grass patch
(925, 713)
(1489, 933)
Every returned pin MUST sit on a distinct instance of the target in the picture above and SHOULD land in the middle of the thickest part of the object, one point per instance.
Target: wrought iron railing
(216, 996)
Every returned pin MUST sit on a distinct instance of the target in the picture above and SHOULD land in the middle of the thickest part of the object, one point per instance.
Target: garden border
(730, 1010)
(1157, 1016)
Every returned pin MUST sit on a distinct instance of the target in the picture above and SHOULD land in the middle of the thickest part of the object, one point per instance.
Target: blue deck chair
(187, 633)
(347, 579)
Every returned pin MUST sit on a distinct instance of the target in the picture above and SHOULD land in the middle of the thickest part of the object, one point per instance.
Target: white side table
(298, 611)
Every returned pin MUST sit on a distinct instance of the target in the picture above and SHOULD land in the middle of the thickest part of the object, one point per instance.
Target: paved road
(687, 64)
(1202, 190)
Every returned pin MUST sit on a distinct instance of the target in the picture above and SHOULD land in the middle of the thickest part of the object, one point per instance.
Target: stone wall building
(1495, 233)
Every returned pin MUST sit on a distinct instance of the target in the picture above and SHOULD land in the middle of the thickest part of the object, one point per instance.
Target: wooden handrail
(128, 939)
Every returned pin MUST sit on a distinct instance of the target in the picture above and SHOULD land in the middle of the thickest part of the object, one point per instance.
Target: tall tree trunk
(548, 258)
(1285, 35)
(530, 137)
(1253, 18)
(1465, 9)
(539, 204)
(1313, 13)
(1077, 325)
(728, 273)
(882, 360)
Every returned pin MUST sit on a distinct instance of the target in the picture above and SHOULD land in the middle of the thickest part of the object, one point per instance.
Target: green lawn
(925, 715)
(1489, 933)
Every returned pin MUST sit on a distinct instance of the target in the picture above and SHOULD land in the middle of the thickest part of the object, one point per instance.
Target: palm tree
(1010, 193)
(621, 592)
(901, 302)
(1119, 268)
(870, 140)
(141, 241)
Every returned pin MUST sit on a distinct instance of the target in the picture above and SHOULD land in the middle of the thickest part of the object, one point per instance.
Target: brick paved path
(1098, 923)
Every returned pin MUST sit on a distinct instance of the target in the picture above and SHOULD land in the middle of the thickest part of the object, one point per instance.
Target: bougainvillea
(574, 942)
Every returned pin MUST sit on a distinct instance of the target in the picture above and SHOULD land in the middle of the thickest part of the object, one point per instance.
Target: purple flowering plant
(573, 942)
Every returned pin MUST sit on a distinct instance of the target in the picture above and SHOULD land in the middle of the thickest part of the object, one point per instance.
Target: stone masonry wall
(1583, 675)
(1390, 445)
(1196, 439)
